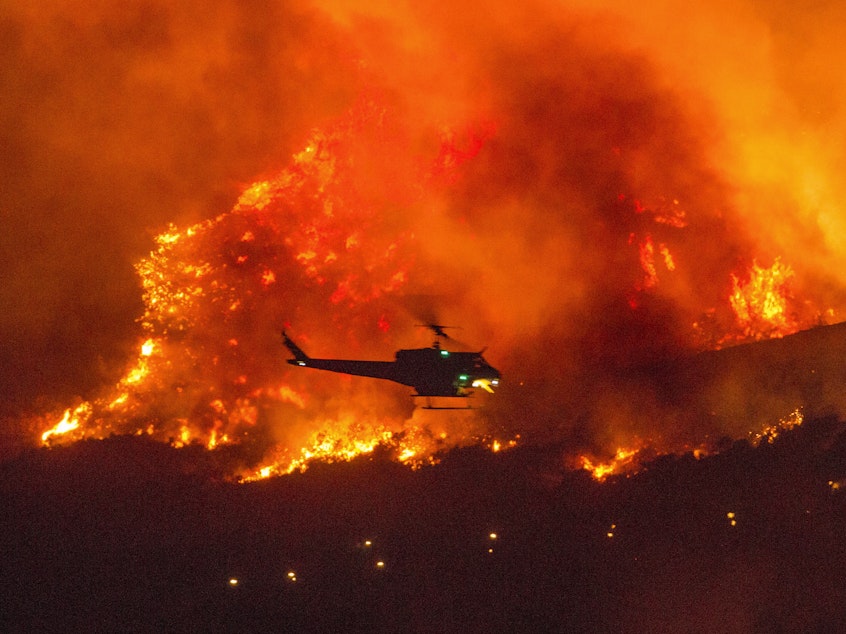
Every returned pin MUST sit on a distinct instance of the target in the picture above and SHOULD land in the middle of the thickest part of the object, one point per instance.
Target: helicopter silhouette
(432, 372)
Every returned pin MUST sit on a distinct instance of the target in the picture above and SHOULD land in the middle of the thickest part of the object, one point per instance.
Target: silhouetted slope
(129, 535)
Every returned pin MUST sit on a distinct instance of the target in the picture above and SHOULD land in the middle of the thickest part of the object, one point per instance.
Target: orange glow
(331, 240)
(204, 372)
(207, 375)
(761, 303)
(651, 255)
(623, 460)
(649, 261)
(496, 445)
(771, 432)
(327, 447)
(70, 422)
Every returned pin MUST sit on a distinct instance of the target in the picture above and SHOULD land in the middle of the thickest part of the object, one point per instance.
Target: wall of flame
(583, 188)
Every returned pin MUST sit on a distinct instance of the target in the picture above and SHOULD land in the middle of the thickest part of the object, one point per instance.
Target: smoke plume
(580, 186)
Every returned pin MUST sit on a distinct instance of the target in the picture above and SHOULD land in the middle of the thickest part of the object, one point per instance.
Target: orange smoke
(583, 188)
(307, 245)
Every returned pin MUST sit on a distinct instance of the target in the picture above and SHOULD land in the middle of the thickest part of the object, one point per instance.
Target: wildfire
(623, 460)
(627, 460)
(761, 299)
(771, 432)
(70, 422)
(344, 446)
(496, 445)
(215, 294)
(309, 242)
(761, 303)
(654, 258)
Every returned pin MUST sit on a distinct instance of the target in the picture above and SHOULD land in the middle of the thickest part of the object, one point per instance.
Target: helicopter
(432, 372)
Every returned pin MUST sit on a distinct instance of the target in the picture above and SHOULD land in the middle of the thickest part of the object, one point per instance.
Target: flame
(345, 445)
(69, 422)
(495, 445)
(623, 460)
(628, 460)
(771, 432)
(308, 241)
(205, 373)
(761, 303)
(654, 257)
(648, 261)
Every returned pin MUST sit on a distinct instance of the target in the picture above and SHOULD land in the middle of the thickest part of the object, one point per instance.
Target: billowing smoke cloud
(576, 185)
(120, 118)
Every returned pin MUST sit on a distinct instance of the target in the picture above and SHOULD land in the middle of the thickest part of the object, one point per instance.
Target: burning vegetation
(311, 241)
(209, 366)
(582, 218)
(638, 216)
(308, 241)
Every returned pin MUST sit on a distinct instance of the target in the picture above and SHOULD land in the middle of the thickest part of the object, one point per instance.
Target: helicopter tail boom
(300, 357)
(373, 369)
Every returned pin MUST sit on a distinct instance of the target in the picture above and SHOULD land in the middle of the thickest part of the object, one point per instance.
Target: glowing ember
(623, 460)
(771, 432)
(650, 254)
(496, 445)
(761, 303)
(70, 422)
(344, 445)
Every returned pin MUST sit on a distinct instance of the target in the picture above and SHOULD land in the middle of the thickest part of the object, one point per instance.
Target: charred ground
(126, 534)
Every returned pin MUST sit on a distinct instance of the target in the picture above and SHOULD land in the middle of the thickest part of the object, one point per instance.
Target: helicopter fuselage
(430, 371)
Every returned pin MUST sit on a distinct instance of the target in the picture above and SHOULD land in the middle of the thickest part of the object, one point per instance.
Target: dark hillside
(129, 535)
